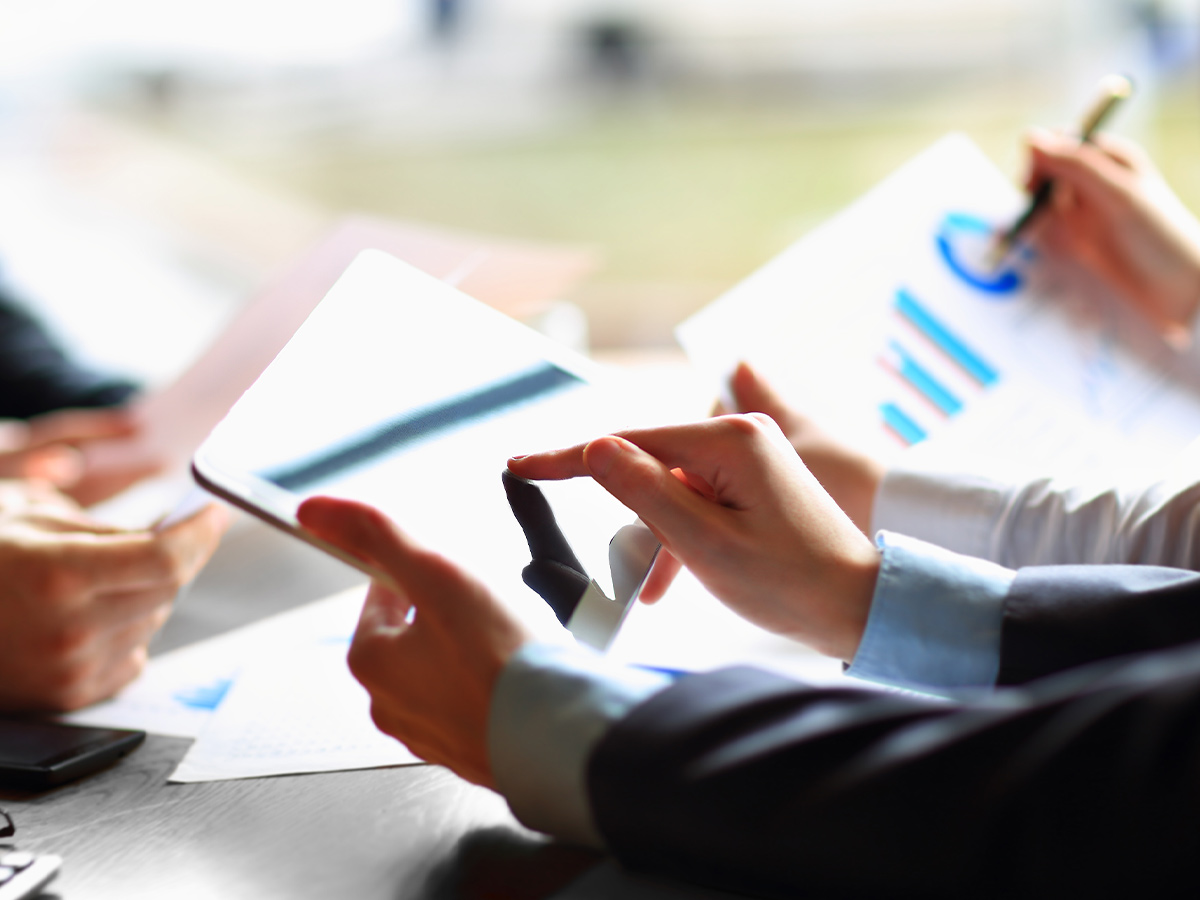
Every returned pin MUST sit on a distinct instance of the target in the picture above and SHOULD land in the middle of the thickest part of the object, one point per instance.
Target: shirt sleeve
(935, 619)
(934, 625)
(550, 707)
(1110, 518)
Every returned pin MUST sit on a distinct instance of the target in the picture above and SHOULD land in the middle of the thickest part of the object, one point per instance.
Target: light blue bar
(908, 306)
(898, 421)
(921, 379)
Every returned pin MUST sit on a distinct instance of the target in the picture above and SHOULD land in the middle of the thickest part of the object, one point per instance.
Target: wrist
(850, 596)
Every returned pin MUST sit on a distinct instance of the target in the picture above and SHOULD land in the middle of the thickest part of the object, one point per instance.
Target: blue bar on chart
(899, 421)
(921, 379)
(929, 325)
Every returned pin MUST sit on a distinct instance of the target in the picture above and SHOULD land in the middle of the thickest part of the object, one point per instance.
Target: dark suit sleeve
(1060, 617)
(36, 376)
(1086, 784)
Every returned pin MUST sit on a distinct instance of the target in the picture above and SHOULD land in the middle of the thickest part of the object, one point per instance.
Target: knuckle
(749, 426)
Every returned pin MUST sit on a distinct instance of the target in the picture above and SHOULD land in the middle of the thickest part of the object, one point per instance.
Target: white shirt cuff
(935, 619)
(958, 512)
(552, 704)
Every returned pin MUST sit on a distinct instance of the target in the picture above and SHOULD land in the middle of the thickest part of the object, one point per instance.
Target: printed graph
(932, 371)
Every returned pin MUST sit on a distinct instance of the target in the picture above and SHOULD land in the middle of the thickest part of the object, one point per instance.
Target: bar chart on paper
(933, 371)
(890, 326)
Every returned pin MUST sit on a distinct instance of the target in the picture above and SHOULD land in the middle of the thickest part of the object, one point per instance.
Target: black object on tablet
(37, 754)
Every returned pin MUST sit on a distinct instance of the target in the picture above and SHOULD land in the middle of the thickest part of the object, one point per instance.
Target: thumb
(407, 574)
(368, 535)
(667, 506)
(365, 534)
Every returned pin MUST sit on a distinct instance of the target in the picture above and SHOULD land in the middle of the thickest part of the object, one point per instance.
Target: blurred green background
(686, 141)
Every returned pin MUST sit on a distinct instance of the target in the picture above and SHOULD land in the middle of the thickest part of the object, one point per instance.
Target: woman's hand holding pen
(1112, 211)
(731, 500)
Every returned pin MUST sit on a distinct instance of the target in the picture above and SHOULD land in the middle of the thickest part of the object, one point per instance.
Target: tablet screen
(403, 393)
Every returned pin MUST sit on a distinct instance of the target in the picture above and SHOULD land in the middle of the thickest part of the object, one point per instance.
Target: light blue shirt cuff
(551, 706)
(935, 619)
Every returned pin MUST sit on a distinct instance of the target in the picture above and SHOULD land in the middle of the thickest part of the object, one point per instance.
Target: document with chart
(888, 325)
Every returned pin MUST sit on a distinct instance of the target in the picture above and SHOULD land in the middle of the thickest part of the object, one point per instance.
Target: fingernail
(601, 454)
(518, 457)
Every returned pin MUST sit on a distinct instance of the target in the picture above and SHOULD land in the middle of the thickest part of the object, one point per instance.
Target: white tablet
(401, 392)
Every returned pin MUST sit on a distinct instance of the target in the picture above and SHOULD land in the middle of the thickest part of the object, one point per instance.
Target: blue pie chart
(962, 240)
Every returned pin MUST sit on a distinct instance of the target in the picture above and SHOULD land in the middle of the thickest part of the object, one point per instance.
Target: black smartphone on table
(36, 754)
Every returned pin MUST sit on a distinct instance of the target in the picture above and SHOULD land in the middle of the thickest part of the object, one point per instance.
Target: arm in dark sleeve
(1086, 784)
(36, 376)
(1060, 617)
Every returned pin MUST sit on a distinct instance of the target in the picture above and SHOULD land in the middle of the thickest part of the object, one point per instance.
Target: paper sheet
(273, 698)
(298, 710)
(179, 691)
(886, 325)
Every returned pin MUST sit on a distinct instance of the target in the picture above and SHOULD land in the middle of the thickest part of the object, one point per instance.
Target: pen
(1113, 89)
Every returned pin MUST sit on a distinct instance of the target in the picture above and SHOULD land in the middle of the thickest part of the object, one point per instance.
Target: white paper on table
(1069, 368)
(179, 691)
(297, 710)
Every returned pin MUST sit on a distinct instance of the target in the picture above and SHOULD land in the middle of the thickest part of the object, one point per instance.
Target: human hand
(429, 645)
(1112, 211)
(56, 464)
(732, 501)
(851, 478)
(79, 601)
(48, 447)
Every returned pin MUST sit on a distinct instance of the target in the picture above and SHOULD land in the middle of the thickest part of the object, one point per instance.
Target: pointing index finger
(552, 465)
